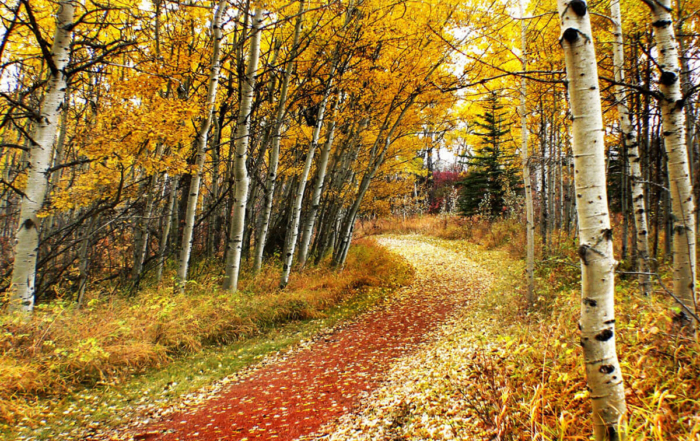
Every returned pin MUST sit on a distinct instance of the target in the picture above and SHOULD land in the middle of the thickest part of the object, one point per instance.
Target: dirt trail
(313, 387)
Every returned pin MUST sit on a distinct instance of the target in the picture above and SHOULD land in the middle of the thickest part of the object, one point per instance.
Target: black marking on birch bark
(668, 78)
(579, 7)
(571, 35)
(679, 229)
(605, 335)
(609, 322)
(661, 23)
(28, 224)
(608, 233)
(589, 302)
(582, 253)
(607, 369)
(612, 434)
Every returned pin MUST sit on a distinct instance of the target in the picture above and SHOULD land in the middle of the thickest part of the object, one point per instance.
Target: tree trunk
(275, 148)
(233, 260)
(597, 322)
(630, 141)
(293, 231)
(529, 209)
(141, 234)
(39, 161)
(673, 118)
(168, 222)
(201, 146)
(308, 228)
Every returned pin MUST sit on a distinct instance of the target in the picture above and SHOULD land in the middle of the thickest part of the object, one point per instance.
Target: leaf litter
(301, 394)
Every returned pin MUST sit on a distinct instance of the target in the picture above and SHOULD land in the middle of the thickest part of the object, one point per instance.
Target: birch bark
(322, 165)
(673, 119)
(293, 231)
(201, 143)
(529, 210)
(597, 323)
(39, 161)
(630, 140)
(233, 260)
(167, 225)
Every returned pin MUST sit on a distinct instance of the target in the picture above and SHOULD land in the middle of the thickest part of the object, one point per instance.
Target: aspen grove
(455, 179)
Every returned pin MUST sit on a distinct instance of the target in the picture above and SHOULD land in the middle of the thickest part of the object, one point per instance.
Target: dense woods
(164, 149)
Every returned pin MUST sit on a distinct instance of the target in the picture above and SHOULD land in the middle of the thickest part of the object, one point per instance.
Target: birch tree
(597, 323)
(673, 120)
(275, 147)
(524, 134)
(308, 227)
(293, 231)
(39, 162)
(233, 264)
(630, 141)
(201, 145)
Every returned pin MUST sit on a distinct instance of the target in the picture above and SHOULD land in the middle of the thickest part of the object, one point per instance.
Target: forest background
(183, 158)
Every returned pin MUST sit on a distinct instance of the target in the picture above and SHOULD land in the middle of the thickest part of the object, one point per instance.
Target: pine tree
(490, 174)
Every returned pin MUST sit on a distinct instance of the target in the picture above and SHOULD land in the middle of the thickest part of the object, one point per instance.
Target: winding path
(314, 386)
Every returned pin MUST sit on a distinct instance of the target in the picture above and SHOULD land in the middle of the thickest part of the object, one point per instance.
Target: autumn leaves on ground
(452, 354)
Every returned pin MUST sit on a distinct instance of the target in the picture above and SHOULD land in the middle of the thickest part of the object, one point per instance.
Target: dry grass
(62, 348)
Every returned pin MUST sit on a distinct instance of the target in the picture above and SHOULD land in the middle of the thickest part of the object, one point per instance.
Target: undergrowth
(518, 371)
(63, 349)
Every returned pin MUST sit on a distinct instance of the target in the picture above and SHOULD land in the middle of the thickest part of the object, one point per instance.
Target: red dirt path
(312, 387)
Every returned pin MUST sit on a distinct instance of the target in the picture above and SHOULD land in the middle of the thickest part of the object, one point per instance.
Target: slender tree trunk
(308, 228)
(524, 134)
(59, 153)
(345, 235)
(201, 146)
(233, 261)
(39, 161)
(597, 322)
(293, 231)
(142, 231)
(168, 222)
(212, 226)
(673, 118)
(630, 141)
(84, 260)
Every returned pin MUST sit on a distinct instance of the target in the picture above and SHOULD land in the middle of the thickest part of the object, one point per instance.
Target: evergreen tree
(489, 173)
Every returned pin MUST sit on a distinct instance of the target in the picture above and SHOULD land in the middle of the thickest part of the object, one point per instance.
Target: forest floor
(302, 394)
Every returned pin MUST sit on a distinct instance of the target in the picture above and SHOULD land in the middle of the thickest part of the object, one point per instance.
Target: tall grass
(63, 348)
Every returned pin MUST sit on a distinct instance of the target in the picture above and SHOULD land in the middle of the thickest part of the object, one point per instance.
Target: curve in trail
(313, 387)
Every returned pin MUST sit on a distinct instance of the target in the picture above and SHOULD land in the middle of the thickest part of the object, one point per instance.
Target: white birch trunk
(322, 165)
(673, 119)
(275, 148)
(293, 231)
(39, 161)
(166, 228)
(629, 138)
(345, 235)
(201, 146)
(233, 256)
(527, 182)
(142, 233)
(597, 322)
